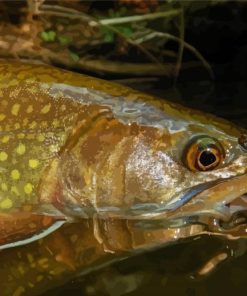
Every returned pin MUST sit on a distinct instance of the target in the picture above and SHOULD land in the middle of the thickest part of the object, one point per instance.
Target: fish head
(190, 167)
(204, 178)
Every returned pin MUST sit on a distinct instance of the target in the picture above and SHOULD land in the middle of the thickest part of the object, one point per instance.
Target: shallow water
(168, 271)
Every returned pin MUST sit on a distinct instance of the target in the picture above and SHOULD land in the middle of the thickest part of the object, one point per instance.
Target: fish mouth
(222, 206)
(218, 208)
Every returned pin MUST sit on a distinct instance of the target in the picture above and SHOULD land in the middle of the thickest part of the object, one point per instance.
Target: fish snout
(222, 207)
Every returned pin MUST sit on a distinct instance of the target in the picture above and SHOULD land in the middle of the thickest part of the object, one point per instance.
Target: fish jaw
(221, 204)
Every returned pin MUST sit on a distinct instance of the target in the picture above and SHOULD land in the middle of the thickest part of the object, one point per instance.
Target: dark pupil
(207, 158)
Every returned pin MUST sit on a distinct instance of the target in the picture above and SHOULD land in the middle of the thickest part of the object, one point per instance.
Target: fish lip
(228, 219)
(170, 210)
(225, 214)
(191, 193)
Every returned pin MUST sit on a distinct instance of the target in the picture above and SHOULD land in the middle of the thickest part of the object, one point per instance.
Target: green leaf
(64, 40)
(44, 35)
(74, 56)
(126, 30)
(48, 36)
(52, 35)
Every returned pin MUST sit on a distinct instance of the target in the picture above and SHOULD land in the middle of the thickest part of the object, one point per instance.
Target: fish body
(74, 147)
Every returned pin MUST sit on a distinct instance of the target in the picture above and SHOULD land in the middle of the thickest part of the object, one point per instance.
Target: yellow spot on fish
(33, 124)
(15, 174)
(55, 271)
(29, 109)
(40, 138)
(3, 156)
(4, 187)
(5, 139)
(15, 190)
(43, 262)
(21, 136)
(28, 188)
(55, 123)
(21, 149)
(39, 278)
(30, 136)
(19, 291)
(33, 163)
(30, 258)
(15, 109)
(46, 109)
(6, 204)
(2, 116)
(17, 125)
(32, 225)
(21, 269)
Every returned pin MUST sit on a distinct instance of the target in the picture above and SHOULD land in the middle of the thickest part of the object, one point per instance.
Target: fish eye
(203, 154)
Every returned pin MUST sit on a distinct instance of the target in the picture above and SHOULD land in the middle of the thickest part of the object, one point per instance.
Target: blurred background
(191, 52)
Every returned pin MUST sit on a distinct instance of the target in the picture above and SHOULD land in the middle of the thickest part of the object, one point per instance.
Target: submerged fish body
(74, 147)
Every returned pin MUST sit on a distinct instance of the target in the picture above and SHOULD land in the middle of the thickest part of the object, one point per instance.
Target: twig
(135, 18)
(61, 8)
(66, 12)
(132, 42)
(154, 34)
(95, 65)
(181, 48)
(71, 13)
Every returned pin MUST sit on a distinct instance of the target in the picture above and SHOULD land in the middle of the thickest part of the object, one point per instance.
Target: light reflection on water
(168, 271)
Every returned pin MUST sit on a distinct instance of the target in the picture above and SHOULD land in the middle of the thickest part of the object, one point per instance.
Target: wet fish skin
(75, 130)
(50, 165)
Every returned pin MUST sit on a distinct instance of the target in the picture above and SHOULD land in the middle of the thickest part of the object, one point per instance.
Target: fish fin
(20, 228)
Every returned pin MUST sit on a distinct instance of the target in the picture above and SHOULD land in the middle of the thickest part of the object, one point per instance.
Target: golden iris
(203, 154)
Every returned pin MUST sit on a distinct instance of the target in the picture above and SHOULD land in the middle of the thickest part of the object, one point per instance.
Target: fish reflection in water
(92, 172)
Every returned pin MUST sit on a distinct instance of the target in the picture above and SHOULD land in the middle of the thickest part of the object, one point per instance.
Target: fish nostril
(242, 140)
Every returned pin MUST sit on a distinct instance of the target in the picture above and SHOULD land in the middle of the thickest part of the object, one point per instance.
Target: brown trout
(91, 170)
